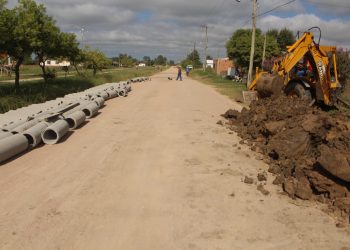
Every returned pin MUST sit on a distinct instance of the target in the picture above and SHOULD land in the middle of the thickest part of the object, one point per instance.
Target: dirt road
(153, 171)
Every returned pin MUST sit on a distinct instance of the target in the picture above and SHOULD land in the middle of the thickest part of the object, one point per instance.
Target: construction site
(250, 150)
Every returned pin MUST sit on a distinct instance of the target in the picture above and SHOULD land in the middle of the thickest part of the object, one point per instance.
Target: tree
(285, 38)
(3, 30)
(238, 47)
(2, 4)
(192, 59)
(29, 60)
(125, 60)
(69, 48)
(171, 62)
(147, 60)
(160, 60)
(20, 29)
(47, 40)
(95, 60)
(23, 31)
(273, 33)
(343, 65)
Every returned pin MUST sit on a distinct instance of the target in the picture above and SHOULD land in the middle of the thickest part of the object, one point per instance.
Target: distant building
(221, 65)
(210, 64)
(142, 65)
(55, 63)
(4, 57)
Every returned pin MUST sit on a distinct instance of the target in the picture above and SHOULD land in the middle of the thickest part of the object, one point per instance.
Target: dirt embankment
(308, 149)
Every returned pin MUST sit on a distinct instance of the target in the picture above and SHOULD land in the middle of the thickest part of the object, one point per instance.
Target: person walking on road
(187, 71)
(179, 74)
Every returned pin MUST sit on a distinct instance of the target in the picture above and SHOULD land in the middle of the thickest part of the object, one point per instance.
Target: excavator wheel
(269, 85)
(297, 89)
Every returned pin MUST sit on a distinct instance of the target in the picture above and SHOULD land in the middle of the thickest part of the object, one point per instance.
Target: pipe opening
(71, 122)
(50, 136)
(87, 112)
(30, 139)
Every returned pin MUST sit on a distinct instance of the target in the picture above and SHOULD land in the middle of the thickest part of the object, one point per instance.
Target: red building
(221, 65)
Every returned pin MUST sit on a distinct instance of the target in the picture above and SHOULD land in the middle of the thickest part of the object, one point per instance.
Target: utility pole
(264, 53)
(206, 47)
(82, 37)
(194, 49)
(252, 48)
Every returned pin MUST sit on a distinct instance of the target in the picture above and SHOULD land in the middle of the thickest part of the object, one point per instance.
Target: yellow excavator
(308, 70)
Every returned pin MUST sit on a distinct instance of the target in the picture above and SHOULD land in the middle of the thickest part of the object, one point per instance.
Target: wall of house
(54, 63)
(221, 65)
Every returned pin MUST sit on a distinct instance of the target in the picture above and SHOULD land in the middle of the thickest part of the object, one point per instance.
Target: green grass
(32, 71)
(224, 86)
(36, 92)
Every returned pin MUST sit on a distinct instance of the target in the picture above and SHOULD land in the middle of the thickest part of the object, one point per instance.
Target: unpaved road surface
(154, 171)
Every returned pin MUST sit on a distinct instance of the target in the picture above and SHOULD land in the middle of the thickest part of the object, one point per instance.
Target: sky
(171, 27)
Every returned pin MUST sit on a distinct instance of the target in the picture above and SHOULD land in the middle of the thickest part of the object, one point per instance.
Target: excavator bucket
(249, 96)
(269, 85)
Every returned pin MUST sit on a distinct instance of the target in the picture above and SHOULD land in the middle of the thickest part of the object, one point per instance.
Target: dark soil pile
(308, 149)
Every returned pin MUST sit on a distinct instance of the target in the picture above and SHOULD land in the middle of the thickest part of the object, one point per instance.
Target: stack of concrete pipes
(25, 128)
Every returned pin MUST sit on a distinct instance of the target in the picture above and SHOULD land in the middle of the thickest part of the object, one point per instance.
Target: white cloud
(333, 31)
(118, 26)
(337, 7)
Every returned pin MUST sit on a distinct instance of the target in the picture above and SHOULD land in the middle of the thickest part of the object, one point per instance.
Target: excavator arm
(268, 84)
(295, 53)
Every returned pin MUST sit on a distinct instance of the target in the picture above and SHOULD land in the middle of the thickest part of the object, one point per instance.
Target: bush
(51, 74)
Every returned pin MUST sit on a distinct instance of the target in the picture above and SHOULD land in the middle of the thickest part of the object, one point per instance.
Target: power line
(269, 11)
(259, 15)
(275, 8)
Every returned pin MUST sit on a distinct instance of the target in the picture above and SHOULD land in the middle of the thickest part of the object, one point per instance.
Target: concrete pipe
(112, 94)
(13, 145)
(99, 101)
(123, 92)
(33, 134)
(103, 94)
(4, 135)
(55, 132)
(76, 119)
(90, 110)
(11, 126)
(25, 126)
(78, 108)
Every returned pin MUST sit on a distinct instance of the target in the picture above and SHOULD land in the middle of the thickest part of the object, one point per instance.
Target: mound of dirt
(308, 149)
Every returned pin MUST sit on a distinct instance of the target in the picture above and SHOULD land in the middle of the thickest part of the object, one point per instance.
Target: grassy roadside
(226, 87)
(35, 92)
(32, 71)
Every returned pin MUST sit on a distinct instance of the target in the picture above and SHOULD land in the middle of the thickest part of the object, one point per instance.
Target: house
(142, 65)
(55, 63)
(4, 58)
(221, 65)
(210, 64)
